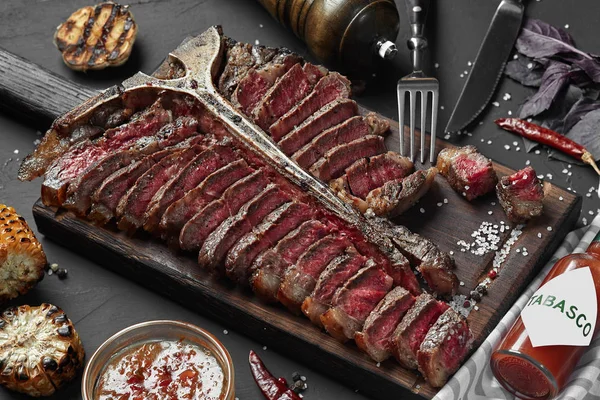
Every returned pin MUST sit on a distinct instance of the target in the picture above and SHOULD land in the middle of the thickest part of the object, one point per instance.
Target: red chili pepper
(548, 137)
(271, 387)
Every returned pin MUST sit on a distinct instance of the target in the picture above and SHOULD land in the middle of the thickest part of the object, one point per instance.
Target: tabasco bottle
(536, 357)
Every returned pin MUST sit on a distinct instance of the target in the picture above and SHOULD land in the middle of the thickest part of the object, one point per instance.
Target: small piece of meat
(273, 228)
(347, 131)
(468, 172)
(367, 174)
(377, 125)
(444, 348)
(292, 87)
(331, 87)
(314, 72)
(106, 198)
(189, 177)
(376, 335)
(411, 331)
(336, 160)
(270, 267)
(196, 230)
(330, 115)
(211, 188)
(397, 196)
(132, 207)
(337, 273)
(354, 301)
(301, 278)
(215, 248)
(521, 195)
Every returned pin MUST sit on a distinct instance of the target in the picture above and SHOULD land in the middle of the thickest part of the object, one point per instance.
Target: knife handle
(417, 12)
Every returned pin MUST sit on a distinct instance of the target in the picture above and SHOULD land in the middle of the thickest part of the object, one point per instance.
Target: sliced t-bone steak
(301, 278)
(314, 72)
(411, 331)
(444, 348)
(328, 89)
(292, 87)
(330, 115)
(273, 228)
(370, 173)
(215, 248)
(196, 230)
(354, 301)
(375, 337)
(188, 178)
(336, 160)
(211, 188)
(349, 130)
(521, 195)
(337, 273)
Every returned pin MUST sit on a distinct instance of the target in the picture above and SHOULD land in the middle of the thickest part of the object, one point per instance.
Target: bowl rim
(228, 361)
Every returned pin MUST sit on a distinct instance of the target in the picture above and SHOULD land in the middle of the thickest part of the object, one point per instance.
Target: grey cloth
(474, 380)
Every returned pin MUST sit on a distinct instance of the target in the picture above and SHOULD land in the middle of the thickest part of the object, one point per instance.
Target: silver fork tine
(434, 105)
(423, 123)
(401, 99)
(413, 100)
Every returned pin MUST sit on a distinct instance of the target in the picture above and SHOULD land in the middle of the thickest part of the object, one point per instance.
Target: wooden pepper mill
(352, 35)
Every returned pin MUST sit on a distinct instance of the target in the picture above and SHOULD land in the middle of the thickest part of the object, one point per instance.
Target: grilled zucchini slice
(96, 37)
(40, 351)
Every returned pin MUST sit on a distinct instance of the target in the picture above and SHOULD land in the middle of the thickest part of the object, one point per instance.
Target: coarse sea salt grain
(469, 63)
(527, 162)
(484, 240)
(538, 152)
(462, 75)
(566, 26)
(507, 147)
(489, 142)
(445, 201)
(549, 229)
(257, 42)
(515, 143)
(16, 151)
(561, 198)
(437, 65)
(530, 65)
(496, 104)
(584, 220)
(509, 112)
(440, 204)
(422, 210)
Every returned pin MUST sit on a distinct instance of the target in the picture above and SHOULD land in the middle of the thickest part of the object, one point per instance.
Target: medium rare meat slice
(301, 278)
(292, 87)
(370, 173)
(196, 230)
(337, 273)
(314, 72)
(444, 348)
(188, 178)
(331, 87)
(215, 248)
(375, 337)
(269, 267)
(411, 331)
(106, 199)
(332, 114)
(521, 195)
(354, 301)
(336, 160)
(273, 228)
(211, 188)
(345, 132)
(468, 172)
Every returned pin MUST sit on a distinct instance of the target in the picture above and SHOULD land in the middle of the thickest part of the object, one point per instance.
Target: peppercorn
(475, 295)
(61, 273)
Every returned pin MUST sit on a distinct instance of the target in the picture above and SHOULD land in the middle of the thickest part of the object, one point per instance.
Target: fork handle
(417, 13)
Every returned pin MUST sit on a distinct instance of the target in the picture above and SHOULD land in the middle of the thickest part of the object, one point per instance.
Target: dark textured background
(99, 302)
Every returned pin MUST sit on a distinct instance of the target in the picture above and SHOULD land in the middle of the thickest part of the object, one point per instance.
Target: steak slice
(411, 331)
(330, 115)
(328, 89)
(354, 301)
(292, 87)
(444, 348)
(301, 278)
(211, 188)
(215, 248)
(468, 172)
(314, 72)
(336, 160)
(521, 195)
(188, 178)
(273, 228)
(375, 337)
(370, 173)
(377, 124)
(337, 273)
(195, 231)
(269, 267)
(106, 199)
(345, 132)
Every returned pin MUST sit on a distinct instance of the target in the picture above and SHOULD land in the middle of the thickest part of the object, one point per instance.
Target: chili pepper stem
(589, 159)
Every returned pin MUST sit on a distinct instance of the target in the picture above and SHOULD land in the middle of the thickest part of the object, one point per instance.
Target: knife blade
(489, 64)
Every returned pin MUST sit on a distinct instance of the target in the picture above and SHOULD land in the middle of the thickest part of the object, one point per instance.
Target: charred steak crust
(370, 173)
(521, 195)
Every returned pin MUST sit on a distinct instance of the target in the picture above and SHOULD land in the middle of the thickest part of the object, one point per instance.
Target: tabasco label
(563, 311)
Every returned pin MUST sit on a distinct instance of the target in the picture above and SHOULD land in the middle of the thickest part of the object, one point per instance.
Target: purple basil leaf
(583, 106)
(539, 39)
(591, 68)
(525, 70)
(585, 132)
(592, 93)
(554, 79)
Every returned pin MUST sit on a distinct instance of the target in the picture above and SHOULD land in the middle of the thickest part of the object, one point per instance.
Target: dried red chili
(271, 387)
(548, 137)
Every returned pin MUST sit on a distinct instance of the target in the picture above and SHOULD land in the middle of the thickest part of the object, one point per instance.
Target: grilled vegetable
(40, 351)
(96, 37)
(22, 259)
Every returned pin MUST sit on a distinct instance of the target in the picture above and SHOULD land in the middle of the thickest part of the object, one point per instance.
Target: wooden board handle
(35, 93)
